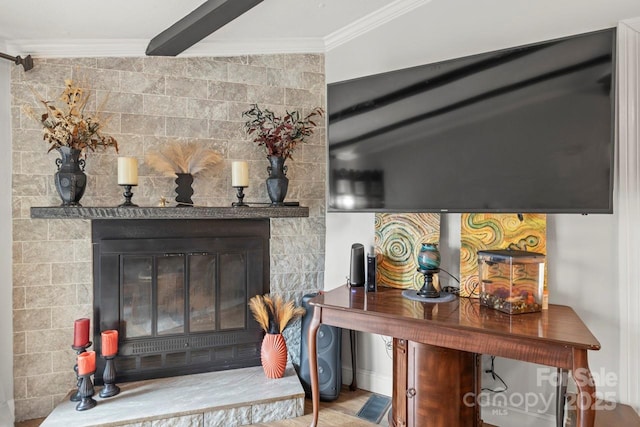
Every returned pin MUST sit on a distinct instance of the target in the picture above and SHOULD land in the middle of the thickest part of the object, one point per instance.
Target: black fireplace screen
(177, 291)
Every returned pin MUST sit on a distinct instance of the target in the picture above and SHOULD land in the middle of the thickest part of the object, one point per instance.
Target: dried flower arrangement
(280, 135)
(69, 126)
(272, 313)
(177, 158)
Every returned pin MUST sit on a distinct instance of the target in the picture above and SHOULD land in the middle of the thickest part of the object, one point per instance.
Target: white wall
(6, 323)
(581, 249)
(374, 366)
(442, 30)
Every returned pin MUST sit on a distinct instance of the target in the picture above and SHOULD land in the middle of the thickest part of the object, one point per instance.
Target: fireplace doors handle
(190, 254)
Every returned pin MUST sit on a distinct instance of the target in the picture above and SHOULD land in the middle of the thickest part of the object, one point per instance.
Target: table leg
(586, 399)
(561, 395)
(313, 363)
(352, 340)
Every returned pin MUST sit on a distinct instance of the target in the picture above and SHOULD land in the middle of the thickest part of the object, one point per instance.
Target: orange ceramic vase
(274, 355)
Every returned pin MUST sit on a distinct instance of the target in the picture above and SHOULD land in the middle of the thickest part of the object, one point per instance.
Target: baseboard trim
(369, 380)
(506, 416)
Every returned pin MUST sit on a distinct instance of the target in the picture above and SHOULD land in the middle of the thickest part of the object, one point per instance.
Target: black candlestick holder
(127, 197)
(428, 290)
(86, 392)
(110, 389)
(240, 196)
(75, 397)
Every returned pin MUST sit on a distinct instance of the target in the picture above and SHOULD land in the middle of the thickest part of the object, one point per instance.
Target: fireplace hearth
(177, 291)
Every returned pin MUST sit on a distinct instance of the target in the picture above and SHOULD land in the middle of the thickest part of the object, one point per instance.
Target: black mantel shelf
(187, 212)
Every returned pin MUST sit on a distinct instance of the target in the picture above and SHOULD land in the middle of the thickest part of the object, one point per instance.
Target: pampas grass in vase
(184, 161)
(273, 315)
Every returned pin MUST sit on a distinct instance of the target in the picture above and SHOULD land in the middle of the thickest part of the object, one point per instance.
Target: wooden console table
(554, 337)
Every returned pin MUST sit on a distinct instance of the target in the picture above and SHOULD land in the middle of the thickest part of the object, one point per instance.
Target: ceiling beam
(204, 20)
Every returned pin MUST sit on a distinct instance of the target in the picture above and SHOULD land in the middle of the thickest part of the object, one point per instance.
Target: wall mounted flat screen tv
(527, 129)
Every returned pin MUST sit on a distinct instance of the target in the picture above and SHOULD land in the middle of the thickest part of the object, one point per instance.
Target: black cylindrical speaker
(328, 346)
(356, 273)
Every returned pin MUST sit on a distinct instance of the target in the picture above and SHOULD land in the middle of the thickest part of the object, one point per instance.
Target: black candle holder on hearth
(86, 392)
(75, 397)
(110, 389)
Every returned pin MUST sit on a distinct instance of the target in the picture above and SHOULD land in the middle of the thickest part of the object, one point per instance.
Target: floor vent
(375, 408)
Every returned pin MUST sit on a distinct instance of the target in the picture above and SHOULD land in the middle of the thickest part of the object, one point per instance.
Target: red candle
(81, 332)
(109, 342)
(87, 363)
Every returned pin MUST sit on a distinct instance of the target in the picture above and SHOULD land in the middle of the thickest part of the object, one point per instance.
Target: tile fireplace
(177, 290)
(52, 246)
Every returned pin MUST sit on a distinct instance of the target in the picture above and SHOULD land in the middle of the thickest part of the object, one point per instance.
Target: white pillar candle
(127, 171)
(239, 174)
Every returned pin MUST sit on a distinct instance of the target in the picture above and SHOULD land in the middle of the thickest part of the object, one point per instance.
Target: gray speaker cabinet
(329, 343)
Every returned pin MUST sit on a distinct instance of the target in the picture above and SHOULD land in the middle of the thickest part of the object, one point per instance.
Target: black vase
(277, 182)
(70, 179)
(184, 189)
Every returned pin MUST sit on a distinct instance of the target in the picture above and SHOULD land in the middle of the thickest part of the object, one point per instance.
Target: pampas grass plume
(288, 312)
(272, 313)
(259, 310)
(177, 158)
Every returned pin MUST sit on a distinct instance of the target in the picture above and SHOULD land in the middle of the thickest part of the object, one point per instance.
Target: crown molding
(65, 48)
(54, 48)
(633, 23)
(371, 22)
(57, 48)
(256, 47)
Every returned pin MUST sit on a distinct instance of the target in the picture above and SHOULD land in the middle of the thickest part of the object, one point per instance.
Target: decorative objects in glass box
(511, 281)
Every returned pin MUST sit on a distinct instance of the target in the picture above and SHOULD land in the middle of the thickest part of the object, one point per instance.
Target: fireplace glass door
(173, 293)
(180, 303)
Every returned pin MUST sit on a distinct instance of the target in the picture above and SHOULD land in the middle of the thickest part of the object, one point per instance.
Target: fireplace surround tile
(38, 363)
(273, 411)
(32, 319)
(271, 61)
(19, 343)
(247, 74)
(228, 417)
(62, 359)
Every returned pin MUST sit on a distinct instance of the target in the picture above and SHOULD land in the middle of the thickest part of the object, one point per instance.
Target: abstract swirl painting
(397, 243)
(496, 231)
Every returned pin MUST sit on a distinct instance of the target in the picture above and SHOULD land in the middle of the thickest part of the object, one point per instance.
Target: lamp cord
(456, 290)
(495, 377)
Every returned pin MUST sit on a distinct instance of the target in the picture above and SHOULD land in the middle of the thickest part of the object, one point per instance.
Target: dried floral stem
(259, 310)
(272, 313)
(69, 126)
(177, 158)
(280, 135)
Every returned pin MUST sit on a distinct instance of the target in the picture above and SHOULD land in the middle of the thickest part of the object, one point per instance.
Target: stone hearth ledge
(186, 212)
(224, 398)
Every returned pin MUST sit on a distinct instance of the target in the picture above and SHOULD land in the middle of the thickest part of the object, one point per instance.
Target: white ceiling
(393, 27)
(96, 28)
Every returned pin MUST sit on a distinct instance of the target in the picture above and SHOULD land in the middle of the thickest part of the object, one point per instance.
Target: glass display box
(511, 281)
